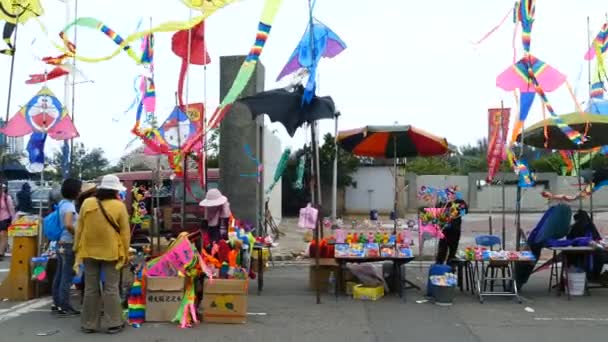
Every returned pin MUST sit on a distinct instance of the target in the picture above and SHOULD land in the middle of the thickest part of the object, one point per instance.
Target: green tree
(347, 164)
(213, 148)
(86, 164)
(550, 163)
(430, 166)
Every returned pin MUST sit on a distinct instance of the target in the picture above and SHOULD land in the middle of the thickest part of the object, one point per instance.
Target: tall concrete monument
(237, 130)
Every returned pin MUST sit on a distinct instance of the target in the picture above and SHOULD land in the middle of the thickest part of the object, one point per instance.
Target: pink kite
(516, 76)
(42, 114)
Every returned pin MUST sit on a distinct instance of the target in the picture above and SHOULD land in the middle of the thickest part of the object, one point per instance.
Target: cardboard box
(163, 298)
(225, 301)
(326, 266)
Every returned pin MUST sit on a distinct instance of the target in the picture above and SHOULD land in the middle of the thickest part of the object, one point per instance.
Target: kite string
(494, 29)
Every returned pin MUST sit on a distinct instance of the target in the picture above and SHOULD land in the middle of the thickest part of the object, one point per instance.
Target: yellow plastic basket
(367, 292)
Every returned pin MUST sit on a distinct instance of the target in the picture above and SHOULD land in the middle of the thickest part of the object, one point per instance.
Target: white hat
(111, 182)
(213, 198)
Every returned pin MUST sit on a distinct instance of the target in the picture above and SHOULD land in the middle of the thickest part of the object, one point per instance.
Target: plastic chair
(490, 241)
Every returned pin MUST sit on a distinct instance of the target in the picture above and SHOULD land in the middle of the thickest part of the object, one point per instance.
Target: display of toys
(342, 250)
(372, 250)
(404, 251)
(387, 251)
(357, 250)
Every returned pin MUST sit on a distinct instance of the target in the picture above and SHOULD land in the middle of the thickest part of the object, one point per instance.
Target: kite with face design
(43, 113)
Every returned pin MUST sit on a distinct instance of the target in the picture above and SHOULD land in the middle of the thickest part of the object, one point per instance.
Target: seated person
(584, 227)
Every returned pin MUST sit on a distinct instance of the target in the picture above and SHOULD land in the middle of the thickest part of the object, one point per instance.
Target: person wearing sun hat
(102, 244)
(216, 212)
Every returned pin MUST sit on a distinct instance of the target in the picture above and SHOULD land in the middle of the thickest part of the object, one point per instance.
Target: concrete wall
(375, 190)
(480, 196)
(236, 130)
(272, 155)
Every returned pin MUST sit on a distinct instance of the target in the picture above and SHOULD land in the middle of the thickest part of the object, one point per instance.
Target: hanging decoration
(532, 76)
(206, 7)
(325, 43)
(35, 151)
(190, 46)
(285, 106)
(43, 113)
(280, 170)
(498, 127)
(299, 183)
(14, 12)
(271, 7)
(176, 130)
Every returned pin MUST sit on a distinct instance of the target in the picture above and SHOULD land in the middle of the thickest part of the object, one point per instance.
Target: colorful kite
(206, 7)
(43, 114)
(598, 48)
(14, 12)
(526, 75)
(321, 42)
(190, 46)
(597, 103)
(175, 131)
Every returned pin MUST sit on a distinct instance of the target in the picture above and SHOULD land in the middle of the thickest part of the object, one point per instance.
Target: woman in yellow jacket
(102, 244)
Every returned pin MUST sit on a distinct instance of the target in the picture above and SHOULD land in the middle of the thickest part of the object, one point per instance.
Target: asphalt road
(287, 311)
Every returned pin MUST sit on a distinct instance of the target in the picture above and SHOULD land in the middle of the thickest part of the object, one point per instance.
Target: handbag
(105, 214)
(308, 217)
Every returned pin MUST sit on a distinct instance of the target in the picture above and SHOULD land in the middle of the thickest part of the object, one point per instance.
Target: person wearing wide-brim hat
(102, 244)
(216, 212)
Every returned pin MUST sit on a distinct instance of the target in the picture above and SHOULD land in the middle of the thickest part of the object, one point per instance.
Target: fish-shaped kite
(321, 42)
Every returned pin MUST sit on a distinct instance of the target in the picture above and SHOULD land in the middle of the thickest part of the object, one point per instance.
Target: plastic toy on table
(372, 250)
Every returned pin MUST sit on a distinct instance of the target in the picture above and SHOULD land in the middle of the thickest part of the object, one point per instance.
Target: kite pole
(11, 73)
(590, 153)
(204, 113)
(183, 153)
(316, 200)
(73, 75)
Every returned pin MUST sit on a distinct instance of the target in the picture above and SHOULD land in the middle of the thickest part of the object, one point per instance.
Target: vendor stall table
(398, 277)
(559, 278)
(481, 280)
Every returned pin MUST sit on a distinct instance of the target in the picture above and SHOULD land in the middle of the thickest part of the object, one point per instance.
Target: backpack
(52, 224)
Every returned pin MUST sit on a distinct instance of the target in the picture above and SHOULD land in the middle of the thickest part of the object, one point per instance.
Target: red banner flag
(498, 127)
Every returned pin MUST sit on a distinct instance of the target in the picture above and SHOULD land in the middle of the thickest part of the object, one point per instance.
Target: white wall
(380, 180)
(272, 155)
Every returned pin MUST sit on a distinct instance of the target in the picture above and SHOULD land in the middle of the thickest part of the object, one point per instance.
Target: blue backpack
(52, 225)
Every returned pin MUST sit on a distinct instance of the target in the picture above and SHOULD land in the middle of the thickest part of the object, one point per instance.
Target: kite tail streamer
(180, 83)
(572, 134)
(281, 167)
(137, 304)
(567, 160)
(271, 8)
(7, 33)
(207, 8)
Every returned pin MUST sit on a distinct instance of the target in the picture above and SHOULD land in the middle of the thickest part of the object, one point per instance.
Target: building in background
(15, 145)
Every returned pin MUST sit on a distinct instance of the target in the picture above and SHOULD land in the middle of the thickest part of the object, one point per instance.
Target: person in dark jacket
(584, 227)
(24, 199)
(448, 246)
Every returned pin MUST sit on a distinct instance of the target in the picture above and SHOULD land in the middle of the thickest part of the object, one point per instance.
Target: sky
(411, 62)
